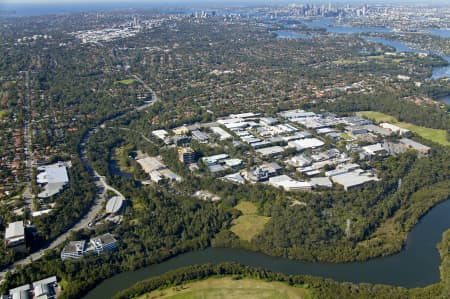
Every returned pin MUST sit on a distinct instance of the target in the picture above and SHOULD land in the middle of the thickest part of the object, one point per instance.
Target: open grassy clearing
(3, 113)
(248, 225)
(122, 159)
(435, 135)
(247, 208)
(375, 57)
(377, 116)
(229, 288)
(345, 61)
(125, 82)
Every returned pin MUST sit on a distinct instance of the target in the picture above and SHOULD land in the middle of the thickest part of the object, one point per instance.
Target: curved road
(101, 185)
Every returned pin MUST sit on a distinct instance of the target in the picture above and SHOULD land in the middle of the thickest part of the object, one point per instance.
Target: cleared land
(248, 225)
(3, 113)
(120, 155)
(125, 82)
(228, 288)
(435, 135)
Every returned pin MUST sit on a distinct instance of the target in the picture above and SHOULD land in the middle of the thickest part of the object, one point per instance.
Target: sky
(221, 1)
(217, 2)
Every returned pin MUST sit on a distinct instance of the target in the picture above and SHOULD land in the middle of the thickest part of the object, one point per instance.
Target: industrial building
(396, 129)
(306, 143)
(274, 137)
(375, 149)
(270, 151)
(235, 178)
(200, 136)
(263, 172)
(221, 162)
(223, 135)
(296, 114)
(43, 289)
(161, 134)
(156, 169)
(187, 155)
(289, 184)
(411, 144)
(212, 160)
(15, 236)
(351, 180)
(321, 182)
(52, 178)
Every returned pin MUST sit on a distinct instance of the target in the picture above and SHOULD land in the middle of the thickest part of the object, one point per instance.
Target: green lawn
(125, 82)
(247, 208)
(376, 116)
(228, 288)
(435, 135)
(3, 113)
(248, 225)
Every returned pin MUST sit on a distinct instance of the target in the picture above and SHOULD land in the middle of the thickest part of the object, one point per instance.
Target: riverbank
(401, 269)
(316, 287)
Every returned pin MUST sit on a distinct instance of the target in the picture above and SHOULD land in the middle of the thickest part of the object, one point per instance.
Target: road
(101, 187)
(27, 194)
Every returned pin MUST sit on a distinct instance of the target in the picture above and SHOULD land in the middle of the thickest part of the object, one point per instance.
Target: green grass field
(435, 135)
(125, 82)
(3, 113)
(228, 288)
(248, 225)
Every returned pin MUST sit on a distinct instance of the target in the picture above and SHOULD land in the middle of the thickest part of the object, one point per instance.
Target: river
(399, 46)
(415, 266)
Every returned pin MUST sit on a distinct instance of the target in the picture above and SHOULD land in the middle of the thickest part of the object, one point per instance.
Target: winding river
(415, 266)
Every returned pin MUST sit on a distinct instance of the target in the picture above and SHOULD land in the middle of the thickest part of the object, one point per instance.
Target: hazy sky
(222, 1)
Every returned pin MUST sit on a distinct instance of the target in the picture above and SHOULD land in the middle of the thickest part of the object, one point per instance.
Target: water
(415, 266)
(331, 27)
(291, 34)
(399, 46)
(440, 32)
(442, 71)
(445, 100)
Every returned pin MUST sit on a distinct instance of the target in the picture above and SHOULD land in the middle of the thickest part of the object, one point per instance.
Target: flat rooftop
(15, 230)
(352, 179)
(53, 174)
(150, 164)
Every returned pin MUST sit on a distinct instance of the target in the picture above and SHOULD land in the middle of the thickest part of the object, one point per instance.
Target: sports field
(229, 288)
